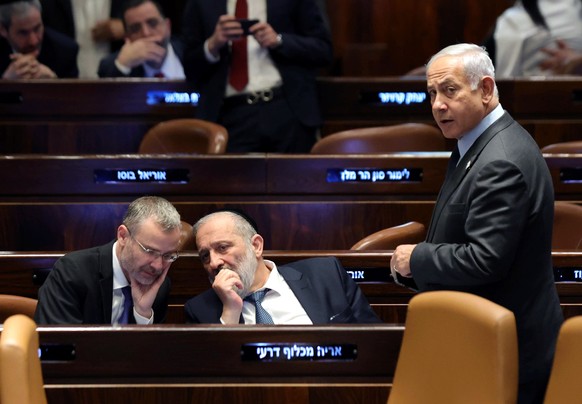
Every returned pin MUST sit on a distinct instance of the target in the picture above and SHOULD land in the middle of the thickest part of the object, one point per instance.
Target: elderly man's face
(456, 107)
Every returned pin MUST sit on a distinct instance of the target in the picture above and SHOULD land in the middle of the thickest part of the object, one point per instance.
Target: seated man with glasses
(122, 282)
(149, 49)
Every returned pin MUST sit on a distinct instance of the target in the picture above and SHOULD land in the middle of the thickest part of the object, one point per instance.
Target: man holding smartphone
(260, 86)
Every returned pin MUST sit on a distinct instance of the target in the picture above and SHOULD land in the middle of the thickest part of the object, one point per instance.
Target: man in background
(149, 50)
(95, 25)
(28, 49)
(258, 83)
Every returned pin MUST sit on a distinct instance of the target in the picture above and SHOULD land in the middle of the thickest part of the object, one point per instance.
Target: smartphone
(246, 24)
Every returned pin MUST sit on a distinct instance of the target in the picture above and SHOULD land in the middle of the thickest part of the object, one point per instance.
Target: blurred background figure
(525, 32)
(95, 24)
(149, 49)
(28, 50)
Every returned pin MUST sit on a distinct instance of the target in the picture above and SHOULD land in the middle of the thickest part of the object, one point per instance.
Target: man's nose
(216, 261)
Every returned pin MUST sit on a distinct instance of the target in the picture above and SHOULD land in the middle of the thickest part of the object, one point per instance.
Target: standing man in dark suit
(311, 291)
(95, 25)
(260, 86)
(101, 284)
(491, 229)
(28, 50)
(149, 50)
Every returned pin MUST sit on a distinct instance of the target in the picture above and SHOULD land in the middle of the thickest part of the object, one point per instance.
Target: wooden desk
(357, 102)
(60, 195)
(23, 273)
(178, 364)
(56, 203)
(69, 116)
(111, 115)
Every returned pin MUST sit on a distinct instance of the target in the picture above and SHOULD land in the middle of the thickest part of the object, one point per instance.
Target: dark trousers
(265, 127)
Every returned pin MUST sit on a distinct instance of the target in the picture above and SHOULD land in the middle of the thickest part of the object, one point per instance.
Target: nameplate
(172, 98)
(369, 274)
(571, 175)
(57, 352)
(394, 98)
(291, 352)
(377, 175)
(568, 274)
(11, 97)
(149, 175)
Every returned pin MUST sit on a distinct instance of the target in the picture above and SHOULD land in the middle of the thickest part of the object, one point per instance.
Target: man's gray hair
(163, 212)
(476, 62)
(16, 9)
(242, 227)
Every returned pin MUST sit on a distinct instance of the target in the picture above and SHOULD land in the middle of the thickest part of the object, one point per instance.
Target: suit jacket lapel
(106, 281)
(302, 289)
(454, 178)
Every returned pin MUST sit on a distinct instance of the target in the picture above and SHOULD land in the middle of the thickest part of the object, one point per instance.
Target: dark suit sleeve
(59, 299)
(490, 225)
(306, 39)
(198, 25)
(359, 310)
(160, 306)
(107, 67)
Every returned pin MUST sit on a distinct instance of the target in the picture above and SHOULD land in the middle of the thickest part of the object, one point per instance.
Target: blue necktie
(262, 317)
(127, 305)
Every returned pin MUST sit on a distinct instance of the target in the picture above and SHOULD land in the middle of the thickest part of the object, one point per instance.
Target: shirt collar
(119, 279)
(275, 279)
(470, 137)
(171, 66)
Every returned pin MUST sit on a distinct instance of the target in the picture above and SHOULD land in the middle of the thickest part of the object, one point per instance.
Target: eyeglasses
(167, 257)
(152, 23)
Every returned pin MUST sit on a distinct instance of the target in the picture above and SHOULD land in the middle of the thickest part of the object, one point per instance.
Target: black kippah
(242, 214)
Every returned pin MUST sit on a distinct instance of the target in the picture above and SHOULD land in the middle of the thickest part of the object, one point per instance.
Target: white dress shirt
(263, 74)
(120, 281)
(280, 302)
(86, 13)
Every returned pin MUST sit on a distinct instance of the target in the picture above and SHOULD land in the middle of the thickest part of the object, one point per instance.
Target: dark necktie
(127, 305)
(239, 70)
(453, 161)
(262, 317)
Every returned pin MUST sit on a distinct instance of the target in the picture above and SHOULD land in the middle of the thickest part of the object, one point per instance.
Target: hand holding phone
(246, 24)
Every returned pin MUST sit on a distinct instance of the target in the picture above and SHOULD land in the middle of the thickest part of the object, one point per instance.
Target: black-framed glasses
(167, 257)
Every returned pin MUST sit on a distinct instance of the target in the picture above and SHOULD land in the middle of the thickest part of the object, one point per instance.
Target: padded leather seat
(391, 237)
(407, 137)
(185, 136)
(12, 304)
(457, 348)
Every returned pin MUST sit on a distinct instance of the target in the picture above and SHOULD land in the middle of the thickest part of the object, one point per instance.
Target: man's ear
(122, 234)
(257, 242)
(3, 32)
(488, 88)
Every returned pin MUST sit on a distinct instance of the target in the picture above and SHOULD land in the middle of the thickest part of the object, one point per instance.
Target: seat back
(567, 232)
(405, 137)
(564, 379)
(185, 136)
(457, 348)
(564, 147)
(391, 237)
(21, 379)
(11, 304)
(187, 241)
